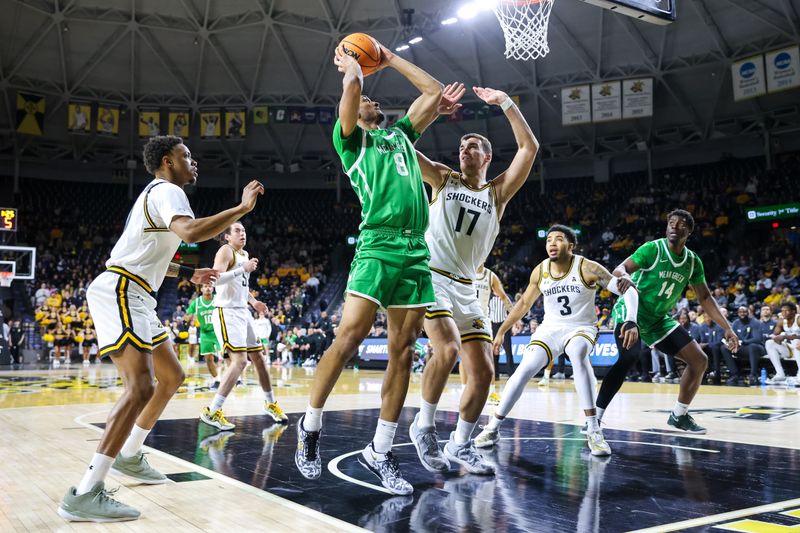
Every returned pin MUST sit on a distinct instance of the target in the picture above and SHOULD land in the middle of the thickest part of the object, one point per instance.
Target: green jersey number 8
(665, 291)
(400, 164)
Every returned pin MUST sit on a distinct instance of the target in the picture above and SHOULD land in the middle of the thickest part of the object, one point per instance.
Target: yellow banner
(108, 119)
(210, 125)
(149, 123)
(79, 117)
(30, 113)
(179, 123)
(234, 124)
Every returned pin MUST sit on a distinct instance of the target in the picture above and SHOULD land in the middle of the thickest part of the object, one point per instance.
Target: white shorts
(123, 308)
(459, 301)
(786, 350)
(235, 329)
(554, 339)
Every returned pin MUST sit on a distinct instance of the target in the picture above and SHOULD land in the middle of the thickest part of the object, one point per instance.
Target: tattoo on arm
(172, 270)
(601, 276)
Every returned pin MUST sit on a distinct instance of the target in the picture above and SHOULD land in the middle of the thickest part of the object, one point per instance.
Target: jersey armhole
(655, 261)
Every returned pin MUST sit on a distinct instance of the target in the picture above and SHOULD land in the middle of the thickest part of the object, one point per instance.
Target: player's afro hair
(156, 148)
(685, 215)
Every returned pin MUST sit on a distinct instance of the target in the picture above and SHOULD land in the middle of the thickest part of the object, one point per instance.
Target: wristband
(508, 102)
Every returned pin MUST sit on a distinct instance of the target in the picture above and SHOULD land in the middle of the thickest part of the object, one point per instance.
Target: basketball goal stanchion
(524, 24)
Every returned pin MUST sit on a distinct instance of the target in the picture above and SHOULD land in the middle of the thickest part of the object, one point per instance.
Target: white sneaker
(776, 380)
(467, 456)
(487, 438)
(597, 443)
(558, 375)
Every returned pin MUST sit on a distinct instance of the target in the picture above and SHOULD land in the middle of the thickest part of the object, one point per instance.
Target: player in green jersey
(661, 270)
(201, 309)
(390, 269)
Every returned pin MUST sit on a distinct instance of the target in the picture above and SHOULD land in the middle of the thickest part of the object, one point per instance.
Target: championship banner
(576, 105)
(149, 122)
(210, 124)
(234, 124)
(30, 113)
(108, 119)
(260, 114)
(325, 115)
(178, 122)
(783, 69)
(79, 117)
(606, 101)
(748, 78)
(637, 98)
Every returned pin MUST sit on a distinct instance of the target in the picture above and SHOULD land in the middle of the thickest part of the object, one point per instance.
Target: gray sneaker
(386, 469)
(97, 505)
(426, 441)
(306, 457)
(467, 456)
(138, 468)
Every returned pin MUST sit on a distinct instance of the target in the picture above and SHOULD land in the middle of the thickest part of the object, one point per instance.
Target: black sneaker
(306, 457)
(686, 423)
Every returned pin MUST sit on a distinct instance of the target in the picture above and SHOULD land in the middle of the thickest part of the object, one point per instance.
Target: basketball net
(6, 278)
(524, 24)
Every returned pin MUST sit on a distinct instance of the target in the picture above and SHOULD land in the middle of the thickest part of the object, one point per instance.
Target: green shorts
(653, 330)
(391, 269)
(208, 343)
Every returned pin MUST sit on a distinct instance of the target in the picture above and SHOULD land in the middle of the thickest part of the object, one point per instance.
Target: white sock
(384, 436)
(494, 423)
(546, 373)
(600, 412)
(592, 424)
(269, 397)
(493, 388)
(216, 403)
(463, 431)
(98, 469)
(680, 409)
(427, 413)
(313, 419)
(134, 442)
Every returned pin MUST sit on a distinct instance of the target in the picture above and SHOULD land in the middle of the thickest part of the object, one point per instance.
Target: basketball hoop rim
(518, 2)
(6, 278)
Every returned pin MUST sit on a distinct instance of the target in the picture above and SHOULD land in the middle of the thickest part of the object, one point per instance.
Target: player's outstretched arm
(198, 276)
(433, 173)
(500, 292)
(509, 182)
(352, 82)
(424, 109)
(595, 273)
(711, 308)
(519, 310)
(202, 229)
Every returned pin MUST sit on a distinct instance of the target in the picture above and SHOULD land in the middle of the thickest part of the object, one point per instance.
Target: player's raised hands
(345, 62)
(250, 265)
(451, 95)
(202, 276)
(490, 96)
(386, 57)
(250, 194)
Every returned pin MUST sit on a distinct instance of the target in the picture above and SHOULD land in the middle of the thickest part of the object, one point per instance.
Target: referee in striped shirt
(498, 311)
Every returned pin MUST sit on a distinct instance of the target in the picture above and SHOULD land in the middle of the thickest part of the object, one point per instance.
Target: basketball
(364, 49)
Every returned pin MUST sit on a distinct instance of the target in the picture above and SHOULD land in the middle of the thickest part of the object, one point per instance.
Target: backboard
(24, 259)
(654, 11)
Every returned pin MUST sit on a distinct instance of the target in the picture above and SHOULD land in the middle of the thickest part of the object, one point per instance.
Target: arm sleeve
(404, 125)
(645, 255)
(631, 299)
(167, 202)
(698, 273)
(230, 275)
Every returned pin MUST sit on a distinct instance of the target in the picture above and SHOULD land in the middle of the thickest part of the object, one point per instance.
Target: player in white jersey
(465, 215)
(233, 324)
(785, 343)
(486, 282)
(568, 283)
(122, 303)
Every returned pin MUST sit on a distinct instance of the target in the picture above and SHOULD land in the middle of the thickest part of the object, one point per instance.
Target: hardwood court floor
(736, 477)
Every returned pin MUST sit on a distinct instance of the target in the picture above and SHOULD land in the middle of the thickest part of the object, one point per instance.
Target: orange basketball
(364, 49)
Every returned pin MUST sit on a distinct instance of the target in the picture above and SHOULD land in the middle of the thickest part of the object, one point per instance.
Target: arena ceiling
(202, 53)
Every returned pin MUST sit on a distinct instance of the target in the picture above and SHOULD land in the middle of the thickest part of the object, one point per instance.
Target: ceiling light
(451, 20)
(468, 11)
(415, 40)
(486, 5)
(402, 47)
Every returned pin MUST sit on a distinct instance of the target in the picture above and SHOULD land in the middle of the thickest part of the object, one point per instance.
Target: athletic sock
(463, 431)
(680, 409)
(427, 414)
(269, 397)
(592, 423)
(494, 423)
(546, 373)
(384, 436)
(216, 403)
(600, 412)
(134, 442)
(313, 419)
(97, 471)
